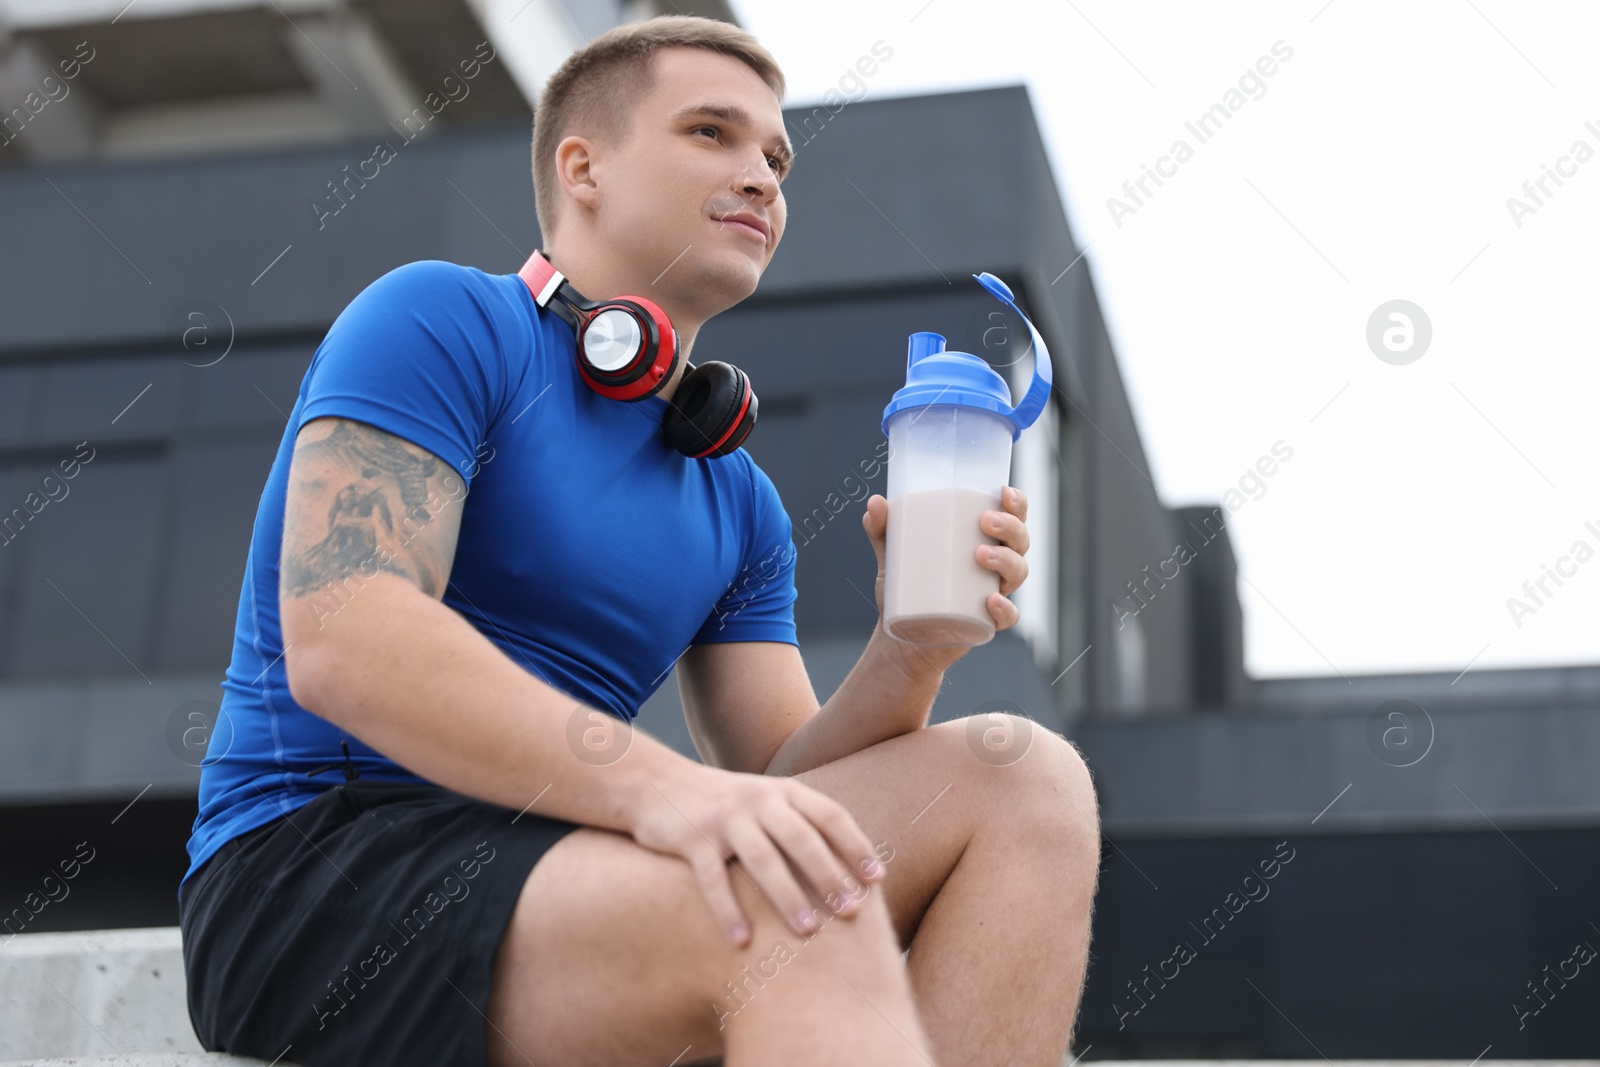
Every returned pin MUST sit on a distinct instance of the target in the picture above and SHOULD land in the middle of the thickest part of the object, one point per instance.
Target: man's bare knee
(780, 968)
(1058, 795)
(1068, 773)
(866, 926)
(1045, 777)
(865, 933)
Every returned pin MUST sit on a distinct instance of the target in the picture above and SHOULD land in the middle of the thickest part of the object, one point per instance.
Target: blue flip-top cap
(935, 376)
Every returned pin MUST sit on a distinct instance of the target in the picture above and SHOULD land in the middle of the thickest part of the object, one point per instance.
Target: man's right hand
(710, 816)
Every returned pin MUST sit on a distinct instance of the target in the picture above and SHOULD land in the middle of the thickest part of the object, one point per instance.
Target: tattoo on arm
(381, 518)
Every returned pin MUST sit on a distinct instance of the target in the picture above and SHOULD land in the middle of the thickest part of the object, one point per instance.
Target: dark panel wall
(1216, 623)
(1389, 946)
(132, 566)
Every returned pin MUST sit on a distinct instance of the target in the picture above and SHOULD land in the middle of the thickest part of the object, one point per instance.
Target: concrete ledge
(109, 996)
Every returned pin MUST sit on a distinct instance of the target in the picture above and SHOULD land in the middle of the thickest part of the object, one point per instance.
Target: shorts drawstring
(350, 773)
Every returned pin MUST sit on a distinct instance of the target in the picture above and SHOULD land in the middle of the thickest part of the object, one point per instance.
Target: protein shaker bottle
(950, 433)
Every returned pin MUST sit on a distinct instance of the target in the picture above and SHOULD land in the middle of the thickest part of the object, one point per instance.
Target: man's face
(672, 194)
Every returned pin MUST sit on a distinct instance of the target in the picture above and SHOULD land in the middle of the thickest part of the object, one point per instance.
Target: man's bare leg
(853, 1005)
(992, 881)
(613, 957)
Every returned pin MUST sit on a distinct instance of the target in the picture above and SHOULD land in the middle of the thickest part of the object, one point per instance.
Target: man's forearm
(888, 693)
(411, 678)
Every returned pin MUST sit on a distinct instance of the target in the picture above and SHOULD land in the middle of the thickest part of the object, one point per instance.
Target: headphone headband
(717, 410)
(544, 282)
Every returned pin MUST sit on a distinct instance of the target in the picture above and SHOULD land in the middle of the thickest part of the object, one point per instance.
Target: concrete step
(104, 996)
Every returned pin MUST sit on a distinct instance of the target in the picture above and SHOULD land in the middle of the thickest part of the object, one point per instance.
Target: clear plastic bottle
(950, 433)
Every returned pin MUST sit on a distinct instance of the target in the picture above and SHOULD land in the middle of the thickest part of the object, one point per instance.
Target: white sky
(1384, 151)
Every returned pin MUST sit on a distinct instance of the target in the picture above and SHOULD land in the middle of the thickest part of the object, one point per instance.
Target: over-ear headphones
(628, 350)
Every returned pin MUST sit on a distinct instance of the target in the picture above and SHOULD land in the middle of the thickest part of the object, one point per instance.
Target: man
(469, 569)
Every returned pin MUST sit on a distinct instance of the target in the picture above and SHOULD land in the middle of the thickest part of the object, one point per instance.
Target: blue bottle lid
(935, 376)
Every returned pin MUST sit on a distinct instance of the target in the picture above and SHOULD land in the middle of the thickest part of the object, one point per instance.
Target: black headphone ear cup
(746, 423)
(713, 406)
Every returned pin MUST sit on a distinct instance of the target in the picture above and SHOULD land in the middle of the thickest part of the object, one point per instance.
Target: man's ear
(575, 170)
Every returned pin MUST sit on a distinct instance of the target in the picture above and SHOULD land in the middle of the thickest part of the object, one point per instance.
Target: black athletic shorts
(360, 929)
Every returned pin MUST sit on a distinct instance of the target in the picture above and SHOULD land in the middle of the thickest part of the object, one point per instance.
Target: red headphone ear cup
(712, 411)
(650, 369)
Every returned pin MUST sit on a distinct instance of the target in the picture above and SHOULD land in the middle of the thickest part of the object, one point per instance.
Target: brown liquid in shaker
(934, 575)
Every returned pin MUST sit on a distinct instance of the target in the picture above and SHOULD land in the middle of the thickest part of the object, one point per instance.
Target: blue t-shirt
(590, 551)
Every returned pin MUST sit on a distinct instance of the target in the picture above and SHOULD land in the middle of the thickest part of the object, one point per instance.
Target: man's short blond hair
(596, 91)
